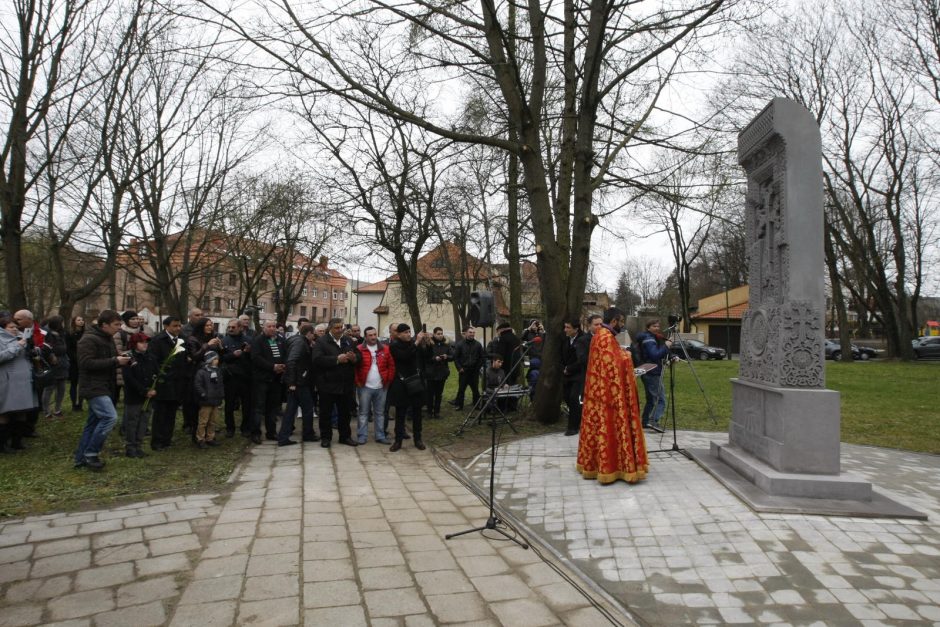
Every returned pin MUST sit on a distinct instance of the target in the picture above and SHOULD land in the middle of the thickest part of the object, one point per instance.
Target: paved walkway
(679, 548)
(350, 536)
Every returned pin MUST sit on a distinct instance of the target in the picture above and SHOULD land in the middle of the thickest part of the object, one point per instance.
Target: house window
(314, 294)
(218, 279)
(232, 280)
(324, 313)
(303, 311)
(217, 304)
(131, 277)
(435, 295)
(303, 290)
(204, 305)
(131, 301)
(231, 304)
(261, 305)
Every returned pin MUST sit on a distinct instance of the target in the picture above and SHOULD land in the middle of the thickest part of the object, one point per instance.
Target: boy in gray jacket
(210, 393)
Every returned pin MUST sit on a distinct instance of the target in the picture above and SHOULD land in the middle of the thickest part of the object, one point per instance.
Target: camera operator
(654, 348)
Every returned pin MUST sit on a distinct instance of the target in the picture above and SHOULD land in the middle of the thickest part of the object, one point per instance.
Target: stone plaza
(356, 537)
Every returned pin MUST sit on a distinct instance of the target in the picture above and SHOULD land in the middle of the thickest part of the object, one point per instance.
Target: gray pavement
(350, 536)
(679, 548)
(355, 536)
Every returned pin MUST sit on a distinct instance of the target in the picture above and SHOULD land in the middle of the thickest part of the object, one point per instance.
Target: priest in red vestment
(612, 445)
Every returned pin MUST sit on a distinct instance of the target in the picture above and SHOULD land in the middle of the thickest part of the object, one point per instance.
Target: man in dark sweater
(98, 362)
(268, 364)
(468, 358)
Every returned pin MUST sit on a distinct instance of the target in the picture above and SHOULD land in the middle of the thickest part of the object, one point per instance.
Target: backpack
(636, 353)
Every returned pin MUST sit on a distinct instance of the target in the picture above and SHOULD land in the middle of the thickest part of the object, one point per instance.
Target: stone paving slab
(342, 537)
(679, 548)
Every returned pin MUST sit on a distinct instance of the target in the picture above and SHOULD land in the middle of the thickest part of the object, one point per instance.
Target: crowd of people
(326, 373)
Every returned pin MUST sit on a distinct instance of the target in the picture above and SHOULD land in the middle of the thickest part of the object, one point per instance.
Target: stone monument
(783, 447)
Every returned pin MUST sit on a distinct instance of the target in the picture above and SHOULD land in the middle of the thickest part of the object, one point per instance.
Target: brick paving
(350, 536)
(678, 548)
(355, 536)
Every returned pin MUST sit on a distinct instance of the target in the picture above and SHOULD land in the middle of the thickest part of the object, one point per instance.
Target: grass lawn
(884, 403)
(41, 479)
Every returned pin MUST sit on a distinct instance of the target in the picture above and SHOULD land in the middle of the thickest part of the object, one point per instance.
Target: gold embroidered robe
(611, 444)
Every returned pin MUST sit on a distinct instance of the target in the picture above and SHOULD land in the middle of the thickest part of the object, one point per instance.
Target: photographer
(534, 330)
(654, 348)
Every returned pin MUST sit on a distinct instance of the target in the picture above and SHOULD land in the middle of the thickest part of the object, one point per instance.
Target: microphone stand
(672, 402)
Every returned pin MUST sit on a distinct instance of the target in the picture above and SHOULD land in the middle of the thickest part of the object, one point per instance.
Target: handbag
(413, 384)
(42, 374)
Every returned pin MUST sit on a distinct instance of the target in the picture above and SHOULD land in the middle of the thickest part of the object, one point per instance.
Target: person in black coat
(169, 353)
(509, 347)
(468, 358)
(437, 355)
(298, 379)
(236, 368)
(574, 357)
(405, 354)
(268, 364)
(334, 360)
(71, 341)
(138, 377)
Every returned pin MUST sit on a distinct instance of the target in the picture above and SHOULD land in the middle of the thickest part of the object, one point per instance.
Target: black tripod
(493, 521)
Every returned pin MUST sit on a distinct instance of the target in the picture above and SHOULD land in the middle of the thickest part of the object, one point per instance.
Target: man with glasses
(236, 368)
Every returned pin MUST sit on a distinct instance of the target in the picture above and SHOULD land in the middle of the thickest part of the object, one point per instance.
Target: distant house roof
(381, 309)
(372, 288)
(730, 313)
(438, 264)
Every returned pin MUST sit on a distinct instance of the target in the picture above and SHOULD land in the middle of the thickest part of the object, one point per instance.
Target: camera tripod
(674, 335)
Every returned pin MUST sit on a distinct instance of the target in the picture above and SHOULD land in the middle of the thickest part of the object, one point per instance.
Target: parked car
(697, 350)
(927, 347)
(834, 351)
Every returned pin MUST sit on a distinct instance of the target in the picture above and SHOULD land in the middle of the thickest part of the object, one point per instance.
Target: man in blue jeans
(374, 373)
(654, 348)
(98, 362)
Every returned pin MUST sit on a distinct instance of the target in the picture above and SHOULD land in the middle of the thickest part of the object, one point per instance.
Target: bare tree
(44, 51)
(879, 214)
(553, 66)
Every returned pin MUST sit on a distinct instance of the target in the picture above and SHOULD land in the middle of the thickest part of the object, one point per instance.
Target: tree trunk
(13, 258)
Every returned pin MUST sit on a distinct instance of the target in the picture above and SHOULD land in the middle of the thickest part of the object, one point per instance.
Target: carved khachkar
(782, 333)
(782, 452)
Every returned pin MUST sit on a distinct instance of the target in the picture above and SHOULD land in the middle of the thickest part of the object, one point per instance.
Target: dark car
(834, 351)
(927, 348)
(697, 350)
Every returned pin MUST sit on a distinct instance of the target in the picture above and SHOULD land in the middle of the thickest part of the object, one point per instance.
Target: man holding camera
(654, 348)
(98, 361)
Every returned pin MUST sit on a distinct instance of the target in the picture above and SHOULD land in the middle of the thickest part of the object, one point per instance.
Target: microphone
(536, 340)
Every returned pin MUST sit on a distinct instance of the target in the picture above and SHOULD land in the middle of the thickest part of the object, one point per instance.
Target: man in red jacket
(374, 373)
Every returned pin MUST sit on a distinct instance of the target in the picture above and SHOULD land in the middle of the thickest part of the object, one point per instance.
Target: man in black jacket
(268, 364)
(297, 379)
(169, 353)
(98, 362)
(334, 359)
(574, 357)
(468, 358)
(236, 368)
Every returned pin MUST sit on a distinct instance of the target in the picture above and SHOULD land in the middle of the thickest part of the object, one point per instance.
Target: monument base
(752, 480)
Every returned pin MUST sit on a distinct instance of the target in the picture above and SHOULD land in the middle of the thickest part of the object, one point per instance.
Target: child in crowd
(209, 394)
(138, 380)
